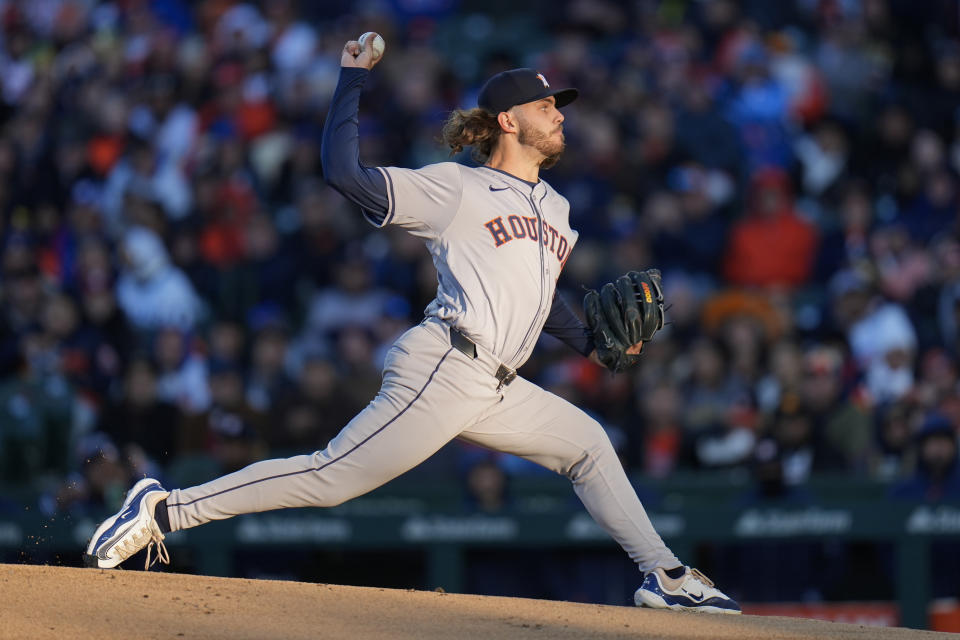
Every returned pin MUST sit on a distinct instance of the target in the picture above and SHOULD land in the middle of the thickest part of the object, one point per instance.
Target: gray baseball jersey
(499, 244)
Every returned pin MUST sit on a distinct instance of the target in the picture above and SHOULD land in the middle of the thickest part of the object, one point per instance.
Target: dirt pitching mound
(59, 602)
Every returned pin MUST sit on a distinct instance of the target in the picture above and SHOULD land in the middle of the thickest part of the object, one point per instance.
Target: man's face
(821, 385)
(938, 453)
(541, 127)
(770, 201)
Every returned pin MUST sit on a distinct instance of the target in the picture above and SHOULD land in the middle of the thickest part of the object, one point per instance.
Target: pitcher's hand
(356, 56)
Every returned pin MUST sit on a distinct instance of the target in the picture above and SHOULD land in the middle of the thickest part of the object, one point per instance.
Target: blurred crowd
(178, 284)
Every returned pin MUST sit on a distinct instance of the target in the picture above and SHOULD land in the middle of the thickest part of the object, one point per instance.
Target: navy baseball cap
(520, 86)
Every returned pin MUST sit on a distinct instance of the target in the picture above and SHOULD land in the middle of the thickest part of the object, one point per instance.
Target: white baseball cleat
(692, 591)
(130, 529)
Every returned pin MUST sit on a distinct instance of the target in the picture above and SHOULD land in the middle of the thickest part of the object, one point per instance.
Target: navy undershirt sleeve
(563, 324)
(340, 149)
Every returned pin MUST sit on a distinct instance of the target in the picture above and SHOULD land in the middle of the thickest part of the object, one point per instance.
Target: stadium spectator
(824, 158)
(771, 484)
(715, 433)
(314, 412)
(801, 448)
(662, 430)
(182, 371)
(844, 241)
(881, 337)
(230, 430)
(771, 246)
(151, 291)
(937, 477)
(267, 381)
(842, 425)
(37, 417)
(784, 372)
(947, 254)
(894, 457)
(140, 417)
(99, 482)
(487, 488)
(711, 389)
(350, 303)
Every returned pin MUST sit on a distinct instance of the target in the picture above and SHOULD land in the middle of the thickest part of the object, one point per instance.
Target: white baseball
(378, 44)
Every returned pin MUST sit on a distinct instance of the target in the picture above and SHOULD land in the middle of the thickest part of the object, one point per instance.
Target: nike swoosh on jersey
(492, 188)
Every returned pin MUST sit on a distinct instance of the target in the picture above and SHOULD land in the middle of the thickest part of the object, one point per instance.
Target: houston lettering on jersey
(527, 227)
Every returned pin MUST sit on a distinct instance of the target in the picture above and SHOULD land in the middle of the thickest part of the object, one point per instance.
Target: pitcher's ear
(507, 122)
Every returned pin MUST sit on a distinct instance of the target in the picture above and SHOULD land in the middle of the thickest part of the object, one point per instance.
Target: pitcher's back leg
(425, 400)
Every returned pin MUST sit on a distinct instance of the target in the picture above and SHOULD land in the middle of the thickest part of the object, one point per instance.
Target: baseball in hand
(378, 43)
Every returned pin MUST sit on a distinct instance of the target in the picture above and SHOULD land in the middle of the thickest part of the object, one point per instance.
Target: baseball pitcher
(499, 236)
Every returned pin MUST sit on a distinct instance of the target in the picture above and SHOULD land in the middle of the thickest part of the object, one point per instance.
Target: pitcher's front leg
(537, 425)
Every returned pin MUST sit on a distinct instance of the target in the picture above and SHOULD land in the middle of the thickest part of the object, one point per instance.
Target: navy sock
(160, 515)
(676, 572)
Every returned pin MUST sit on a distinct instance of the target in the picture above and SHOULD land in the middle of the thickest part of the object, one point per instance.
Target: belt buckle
(505, 376)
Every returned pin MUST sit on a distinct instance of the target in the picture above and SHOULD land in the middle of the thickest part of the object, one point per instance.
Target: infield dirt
(59, 602)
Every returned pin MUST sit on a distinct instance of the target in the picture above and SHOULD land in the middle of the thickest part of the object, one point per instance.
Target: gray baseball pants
(432, 393)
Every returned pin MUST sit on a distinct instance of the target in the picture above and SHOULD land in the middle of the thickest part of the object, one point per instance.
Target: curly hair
(475, 128)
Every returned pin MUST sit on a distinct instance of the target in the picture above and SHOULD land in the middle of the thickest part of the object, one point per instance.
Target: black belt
(466, 346)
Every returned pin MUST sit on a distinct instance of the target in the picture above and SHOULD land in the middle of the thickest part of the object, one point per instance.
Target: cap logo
(543, 80)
